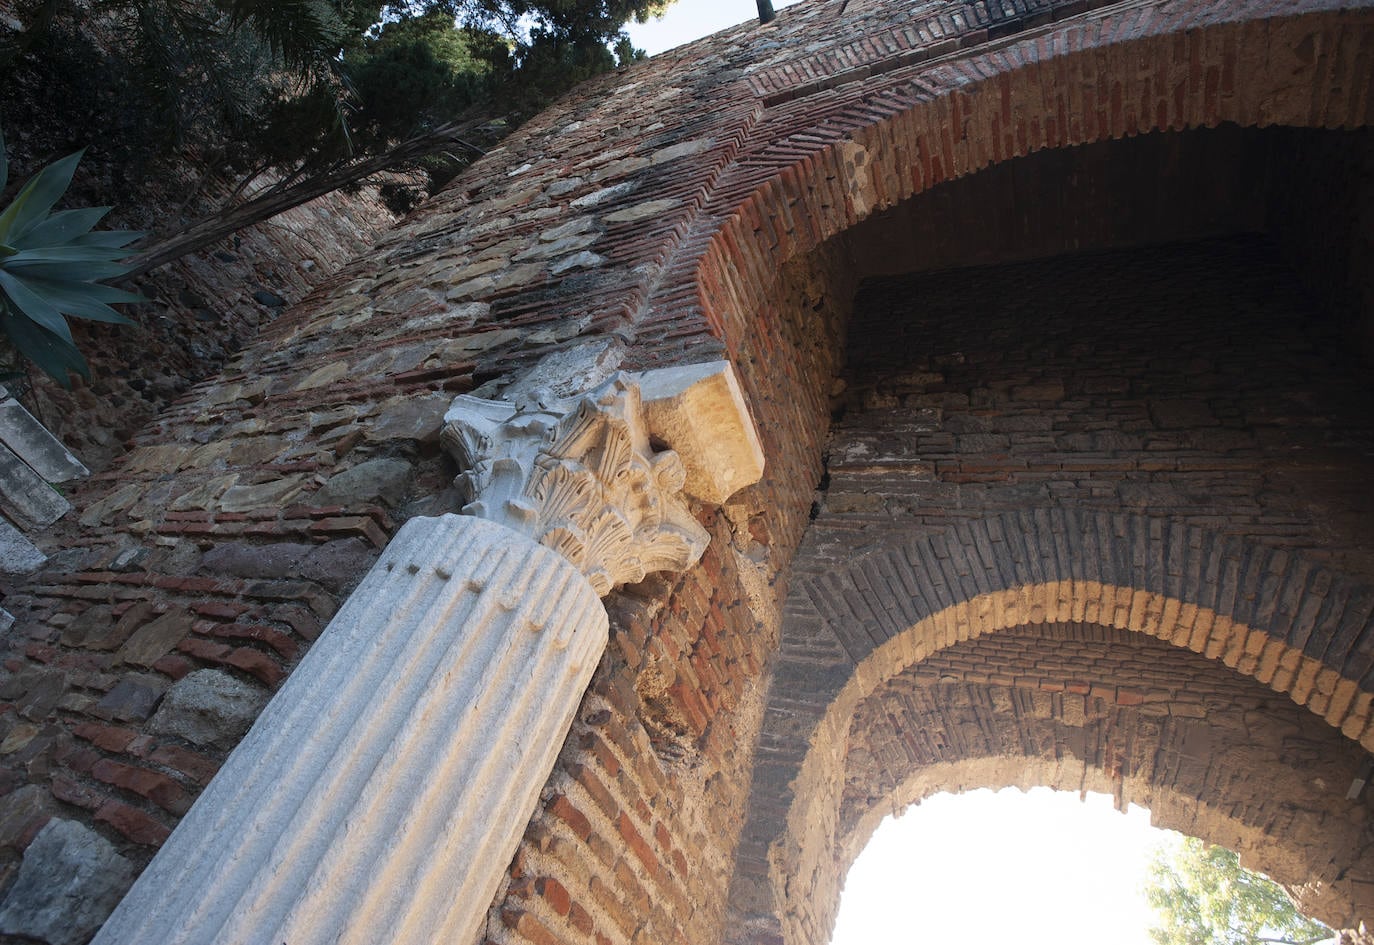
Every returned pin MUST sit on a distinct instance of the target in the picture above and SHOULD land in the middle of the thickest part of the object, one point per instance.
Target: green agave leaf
(38, 255)
(114, 239)
(66, 271)
(73, 299)
(61, 228)
(91, 290)
(37, 197)
(39, 309)
(55, 357)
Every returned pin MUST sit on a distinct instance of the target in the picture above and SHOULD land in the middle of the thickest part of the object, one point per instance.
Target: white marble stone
(578, 476)
(381, 794)
(32, 443)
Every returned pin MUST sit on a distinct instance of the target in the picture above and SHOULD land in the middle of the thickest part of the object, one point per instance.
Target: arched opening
(1116, 386)
(1079, 707)
(1057, 866)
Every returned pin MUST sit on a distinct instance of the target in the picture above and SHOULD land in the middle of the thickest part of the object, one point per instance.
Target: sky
(1037, 868)
(687, 20)
(986, 868)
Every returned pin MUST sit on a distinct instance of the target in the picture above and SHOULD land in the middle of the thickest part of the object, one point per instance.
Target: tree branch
(211, 229)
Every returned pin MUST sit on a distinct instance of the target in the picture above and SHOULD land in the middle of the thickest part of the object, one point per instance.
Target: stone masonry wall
(1079, 420)
(672, 214)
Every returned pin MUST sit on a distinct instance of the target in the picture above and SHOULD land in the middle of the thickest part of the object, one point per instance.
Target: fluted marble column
(381, 794)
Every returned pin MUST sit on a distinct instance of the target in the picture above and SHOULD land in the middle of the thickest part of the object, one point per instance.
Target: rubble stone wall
(676, 213)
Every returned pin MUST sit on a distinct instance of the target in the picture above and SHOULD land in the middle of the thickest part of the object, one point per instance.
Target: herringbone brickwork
(725, 200)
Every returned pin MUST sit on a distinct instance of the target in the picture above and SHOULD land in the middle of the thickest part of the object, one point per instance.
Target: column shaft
(380, 796)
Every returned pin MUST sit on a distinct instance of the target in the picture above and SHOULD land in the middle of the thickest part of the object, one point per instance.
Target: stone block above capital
(699, 411)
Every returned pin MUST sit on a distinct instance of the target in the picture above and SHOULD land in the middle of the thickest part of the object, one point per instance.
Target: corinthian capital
(581, 477)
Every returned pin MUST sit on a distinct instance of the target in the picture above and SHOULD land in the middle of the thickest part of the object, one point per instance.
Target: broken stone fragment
(69, 882)
(376, 481)
(209, 708)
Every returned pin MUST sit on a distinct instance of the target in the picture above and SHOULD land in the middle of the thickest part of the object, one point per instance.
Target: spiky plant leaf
(49, 267)
(70, 271)
(37, 197)
(111, 239)
(40, 310)
(47, 255)
(55, 357)
(61, 228)
(75, 300)
(95, 291)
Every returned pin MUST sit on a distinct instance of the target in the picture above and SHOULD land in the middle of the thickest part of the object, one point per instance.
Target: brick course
(688, 210)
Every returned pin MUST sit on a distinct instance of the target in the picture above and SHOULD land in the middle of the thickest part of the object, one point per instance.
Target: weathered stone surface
(376, 481)
(323, 376)
(22, 812)
(415, 418)
(155, 639)
(582, 260)
(201, 496)
(263, 495)
(70, 880)
(32, 443)
(338, 564)
(699, 411)
(256, 561)
(132, 699)
(18, 555)
(642, 211)
(208, 707)
(24, 493)
(42, 692)
(568, 372)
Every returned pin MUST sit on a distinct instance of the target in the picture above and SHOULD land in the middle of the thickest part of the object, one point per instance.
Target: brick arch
(840, 154)
(1077, 707)
(1217, 821)
(1268, 613)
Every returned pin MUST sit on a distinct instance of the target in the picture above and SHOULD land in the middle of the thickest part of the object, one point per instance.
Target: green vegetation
(1203, 896)
(311, 95)
(50, 264)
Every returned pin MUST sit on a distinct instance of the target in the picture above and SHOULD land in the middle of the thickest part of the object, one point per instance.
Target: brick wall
(1180, 456)
(677, 213)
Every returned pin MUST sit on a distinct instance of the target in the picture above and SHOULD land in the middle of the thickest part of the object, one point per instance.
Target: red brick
(204, 649)
(174, 666)
(631, 836)
(566, 811)
(581, 919)
(530, 928)
(220, 610)
(132, 823)
(361, 526)
(156, 787)
(65, 789)
(108, 737)
(554, 894)
(258, 664)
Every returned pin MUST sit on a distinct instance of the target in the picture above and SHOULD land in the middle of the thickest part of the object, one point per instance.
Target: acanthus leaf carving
(580, 477)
